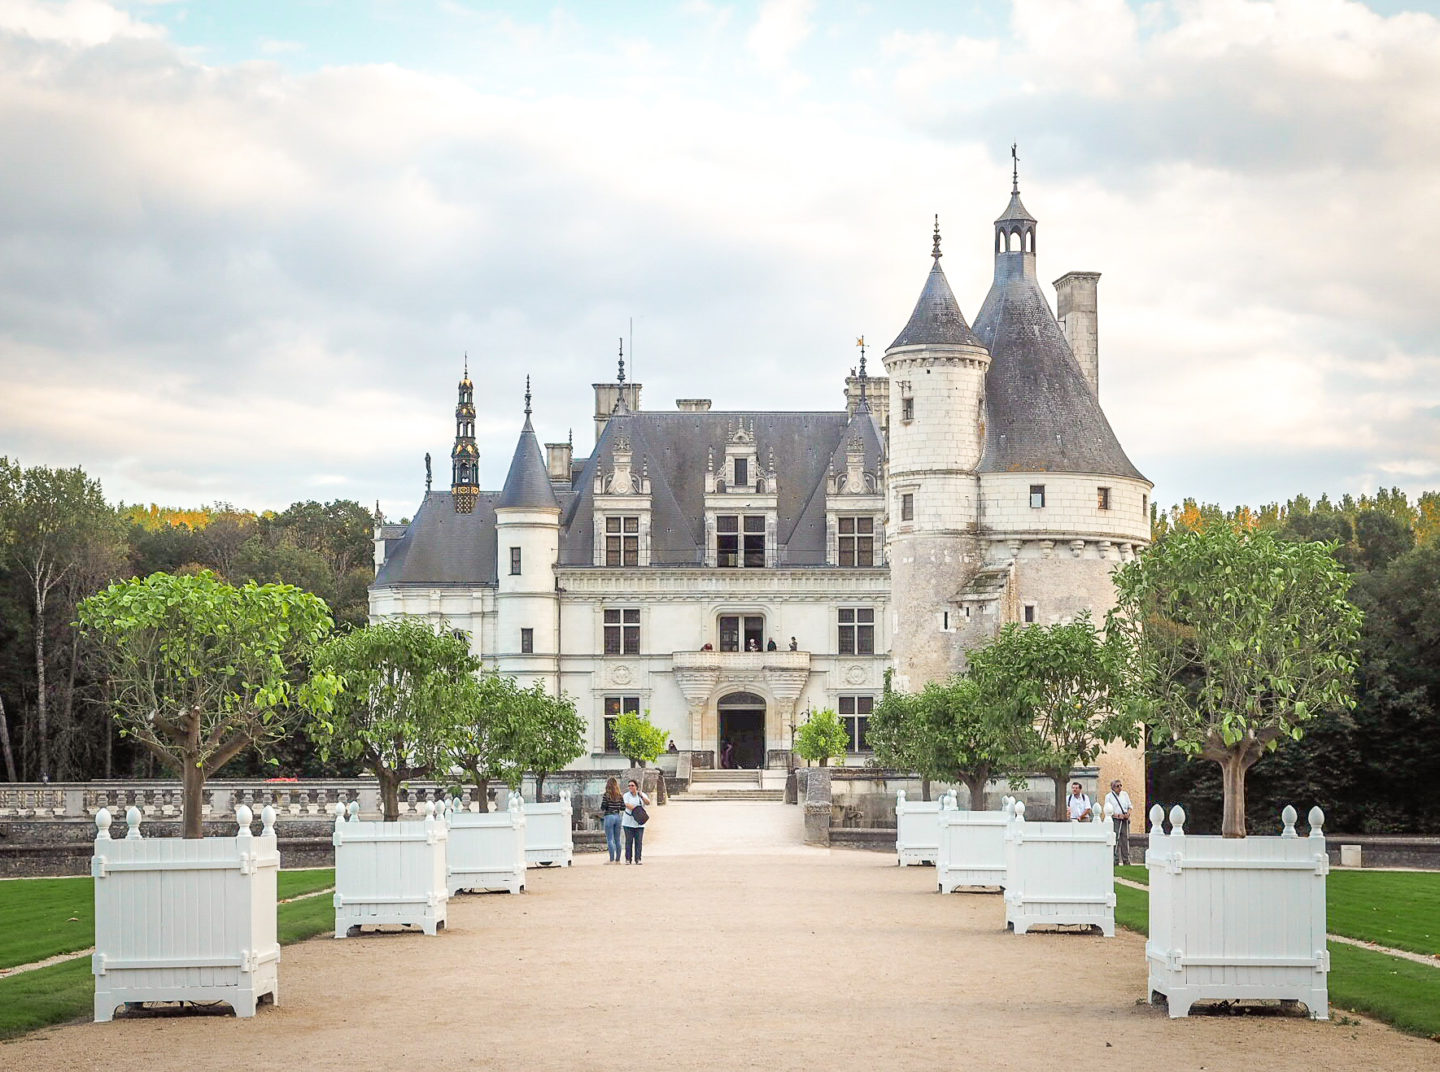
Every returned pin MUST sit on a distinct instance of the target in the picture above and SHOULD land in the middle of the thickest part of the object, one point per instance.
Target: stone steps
(731, 795)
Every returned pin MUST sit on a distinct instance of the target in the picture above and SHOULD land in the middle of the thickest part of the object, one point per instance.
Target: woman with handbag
(635, 819)
(612, 810)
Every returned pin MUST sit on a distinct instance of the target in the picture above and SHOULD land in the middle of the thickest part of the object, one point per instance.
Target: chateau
(728, 571)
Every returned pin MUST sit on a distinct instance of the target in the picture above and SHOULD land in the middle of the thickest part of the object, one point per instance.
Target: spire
(528, 482)
(621, 379)
(937, 319)
(935, 248)
(1014, 170)
(860, 342)
(1015, 230)
(465, 455)
(527, 399)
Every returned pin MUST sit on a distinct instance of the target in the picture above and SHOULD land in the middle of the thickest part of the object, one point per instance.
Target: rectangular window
(615, 706)
(857, 541)
(742, 633)
(527, 642)
(742, 472)
(622, 631)
(907, 409)
(727, 540)
(855, 717)
(622, 541)
(1102, 498)
(1144, 506)
(514, 561)
(1037, 496)
(754, 542)
(734, 547)
(857, 631)
(907, 507)
(1029, 612)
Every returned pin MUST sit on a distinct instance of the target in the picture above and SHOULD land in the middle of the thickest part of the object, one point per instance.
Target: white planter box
(389, 873)
(1059, 873)
(179, 920)
(971, 850)
(486, 850)
(917, 829)
(1237, 918)
(548, 840)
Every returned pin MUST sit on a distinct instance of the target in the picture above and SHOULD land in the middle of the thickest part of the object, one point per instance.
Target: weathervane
(1014, 168)
(527, 397)
(622, 361)
(860, 342)
(935, 249)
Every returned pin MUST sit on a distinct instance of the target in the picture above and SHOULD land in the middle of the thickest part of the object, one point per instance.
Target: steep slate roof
(937, 320)
(675, 446)
(443, 547)
(528, 483)
(1041, 415)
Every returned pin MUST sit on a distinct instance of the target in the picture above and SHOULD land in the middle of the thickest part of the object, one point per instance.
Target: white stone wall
(528, 600)
(1071, 509)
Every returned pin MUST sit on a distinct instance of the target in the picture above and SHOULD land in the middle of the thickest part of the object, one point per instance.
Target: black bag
(639, 814)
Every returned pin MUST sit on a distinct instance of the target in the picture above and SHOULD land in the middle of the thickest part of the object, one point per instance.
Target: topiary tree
(548, 734)
(1058, 689)
(482, 728)
(1235, 642)
(395, 713)
(639, 739)
(821, 738)
(199, 670)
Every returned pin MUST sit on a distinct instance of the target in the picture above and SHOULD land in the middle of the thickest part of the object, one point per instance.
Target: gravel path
(778, 957)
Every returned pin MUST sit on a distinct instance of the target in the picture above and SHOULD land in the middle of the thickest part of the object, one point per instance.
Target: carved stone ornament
(622, 674)
(854, 674)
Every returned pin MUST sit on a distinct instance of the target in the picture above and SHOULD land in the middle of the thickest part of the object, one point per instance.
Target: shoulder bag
(639, 814)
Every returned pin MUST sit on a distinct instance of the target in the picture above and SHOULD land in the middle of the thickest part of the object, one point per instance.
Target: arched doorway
(742, 724)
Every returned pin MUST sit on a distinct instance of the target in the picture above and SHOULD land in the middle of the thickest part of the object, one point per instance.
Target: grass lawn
(1400, 992)
(40, 917)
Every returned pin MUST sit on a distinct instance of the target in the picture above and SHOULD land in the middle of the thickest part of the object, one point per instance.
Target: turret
(465, 455)
(527, 538)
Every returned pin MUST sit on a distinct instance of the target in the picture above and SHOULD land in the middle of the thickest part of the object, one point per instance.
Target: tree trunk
(67, 710)
(825, 761)
(5, 743)
(193, 800)
(925, 789)
(42, 711)
(539, 786)
(976, 783)
(1233, 769)
(109, 744)
(1062, 811)
(389, 795)
(483, 785)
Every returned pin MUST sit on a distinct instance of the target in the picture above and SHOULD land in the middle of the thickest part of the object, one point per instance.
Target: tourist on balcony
(754, 645)
(794, 646)
(771, 646)
(612, 810)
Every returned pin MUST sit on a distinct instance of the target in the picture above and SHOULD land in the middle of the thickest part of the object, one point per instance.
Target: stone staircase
(729, 785)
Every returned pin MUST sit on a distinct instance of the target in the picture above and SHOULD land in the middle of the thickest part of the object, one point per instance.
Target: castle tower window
(857, 631)
(1037, 496)
(615, 706)
(514, 561)
(622, 631)
(857, 541)
(1102, 498)
(907, 409)
(855, 717)
(1144, 506)
(1029, 612)
(622, 541)
(527, 642)
(907, 507)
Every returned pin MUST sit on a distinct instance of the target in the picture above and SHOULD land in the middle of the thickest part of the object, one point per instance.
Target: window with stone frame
(514, 561)
(622, 631)
(907, 409)
(857, 630)
(855, 717)
(1102, 498)
(615, 706)
(1037, 496)
(527, 641)
(857, 541)
(622, 540)
(740, 541)
(742, 632)
(907, 507)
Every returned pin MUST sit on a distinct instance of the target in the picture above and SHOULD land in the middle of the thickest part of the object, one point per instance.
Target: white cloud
(781, 27)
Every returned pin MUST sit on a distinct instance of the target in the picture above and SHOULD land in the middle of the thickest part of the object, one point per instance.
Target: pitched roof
(443, 547)
(528, 482)
(937, 320)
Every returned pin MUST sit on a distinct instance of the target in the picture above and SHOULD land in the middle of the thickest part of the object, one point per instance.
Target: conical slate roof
(528, 482)
(1015, 210)
(937, 320)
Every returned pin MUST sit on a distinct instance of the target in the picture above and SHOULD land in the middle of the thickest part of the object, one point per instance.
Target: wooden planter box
(486, 850)
(179, 920)
(971, 849)
(548, 840)
(389, 873)
(1237, 918)
(917, 829)
(1059, 873)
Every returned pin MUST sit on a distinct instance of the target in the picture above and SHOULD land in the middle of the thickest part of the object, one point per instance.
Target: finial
(427, 472)
(467, 364)
(527, 397)
(860, 342)
(1014, 169)
(570, 437)
(935, 249)
(622, 361)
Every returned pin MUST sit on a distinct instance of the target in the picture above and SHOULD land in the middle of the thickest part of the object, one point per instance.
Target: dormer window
(857, 541)
(742, 472)
(622, 540)
(740, 541)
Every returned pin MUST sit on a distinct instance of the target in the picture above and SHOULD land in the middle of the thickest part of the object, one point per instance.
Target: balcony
(733, 662)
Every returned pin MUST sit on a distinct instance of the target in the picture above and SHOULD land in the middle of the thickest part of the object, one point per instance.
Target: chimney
(693, 405)
(608, 397)
(1076, 306)
(558, 459)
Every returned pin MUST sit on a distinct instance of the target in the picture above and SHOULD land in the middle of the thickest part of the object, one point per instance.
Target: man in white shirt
(1078, 803)
(1120, 806)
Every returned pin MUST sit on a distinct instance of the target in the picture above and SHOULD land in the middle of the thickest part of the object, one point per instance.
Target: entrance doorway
(742, 725)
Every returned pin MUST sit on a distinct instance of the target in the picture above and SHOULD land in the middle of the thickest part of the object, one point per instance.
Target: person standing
(1120, 806)
(634, 831)
(612, 811)
(1078, 803)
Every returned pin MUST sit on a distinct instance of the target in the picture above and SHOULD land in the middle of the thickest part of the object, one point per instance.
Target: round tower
(527, 542)
(937, 431)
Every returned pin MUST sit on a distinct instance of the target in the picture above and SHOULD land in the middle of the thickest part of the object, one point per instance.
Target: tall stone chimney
(558, 460)
(1076, 309)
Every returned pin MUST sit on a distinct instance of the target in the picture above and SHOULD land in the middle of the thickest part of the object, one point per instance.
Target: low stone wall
(864, 798)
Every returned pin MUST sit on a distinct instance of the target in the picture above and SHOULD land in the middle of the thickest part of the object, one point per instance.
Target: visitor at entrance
(1079, 803)
(634, 832)
(612, 809)
(1120, 806)
(727, 755)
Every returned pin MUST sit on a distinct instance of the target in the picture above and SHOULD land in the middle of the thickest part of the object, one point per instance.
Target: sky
(246, 246)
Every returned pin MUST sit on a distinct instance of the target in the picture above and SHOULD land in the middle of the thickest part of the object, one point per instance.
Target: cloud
(781, 27)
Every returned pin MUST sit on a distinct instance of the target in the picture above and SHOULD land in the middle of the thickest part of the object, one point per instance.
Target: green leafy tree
(200, 670)
(1059, 689)
(487, 712)
(948, 732)
(549, 733)
(639, 739)
(821, 738)
(49, 520)
(1236, 641)
(394, 713)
